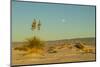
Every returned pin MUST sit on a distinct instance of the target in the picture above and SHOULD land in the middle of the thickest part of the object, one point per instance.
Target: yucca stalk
(34, 25)
(39, 24)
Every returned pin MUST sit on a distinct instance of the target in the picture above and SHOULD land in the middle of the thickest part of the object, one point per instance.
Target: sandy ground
(63, 54)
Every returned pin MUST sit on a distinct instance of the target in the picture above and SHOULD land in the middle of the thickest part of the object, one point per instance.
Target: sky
(58, 21)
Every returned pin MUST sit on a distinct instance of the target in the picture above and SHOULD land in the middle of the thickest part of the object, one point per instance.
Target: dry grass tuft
(21, 48)
(35, 42)
(33, 45)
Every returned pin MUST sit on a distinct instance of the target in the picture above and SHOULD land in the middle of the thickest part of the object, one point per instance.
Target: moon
(63, 20)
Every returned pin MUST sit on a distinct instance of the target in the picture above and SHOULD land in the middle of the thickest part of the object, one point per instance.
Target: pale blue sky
(59, 21)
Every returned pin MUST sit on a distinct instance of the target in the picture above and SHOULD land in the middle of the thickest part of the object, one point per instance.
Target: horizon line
(59, 39)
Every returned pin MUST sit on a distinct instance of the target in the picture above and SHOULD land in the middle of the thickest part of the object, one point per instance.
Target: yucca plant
(35, 45)
(35, 42)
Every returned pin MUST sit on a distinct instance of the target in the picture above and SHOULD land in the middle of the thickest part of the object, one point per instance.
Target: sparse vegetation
(79, 45)
(52, 50)
(36, 49)
(21, 48)
(88, 50)
(35, 43)
(84, 48)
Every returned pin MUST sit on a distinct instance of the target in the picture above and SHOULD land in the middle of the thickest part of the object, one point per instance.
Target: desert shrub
(35, 42)
(33, 45)
(20, 48)
(79, 45)
(52, 50)
(88, 50)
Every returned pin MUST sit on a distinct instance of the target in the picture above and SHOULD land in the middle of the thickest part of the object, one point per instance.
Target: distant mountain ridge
(90, 40)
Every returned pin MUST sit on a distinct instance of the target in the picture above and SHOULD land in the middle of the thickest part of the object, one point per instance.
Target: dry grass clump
(52, 50)
(88, 50)
(82, 47)
(33, 44)
(79, 46)
(20, 48)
